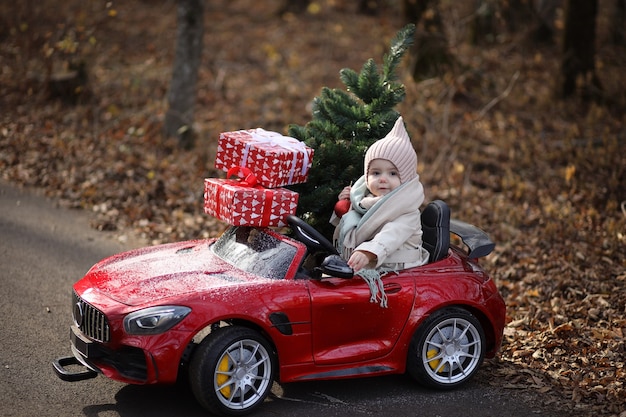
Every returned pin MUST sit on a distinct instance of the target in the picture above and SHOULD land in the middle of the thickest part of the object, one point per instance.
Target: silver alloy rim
(243, 374)
(452, 351)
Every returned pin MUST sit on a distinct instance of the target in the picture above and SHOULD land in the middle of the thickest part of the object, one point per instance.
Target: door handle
(392, 288)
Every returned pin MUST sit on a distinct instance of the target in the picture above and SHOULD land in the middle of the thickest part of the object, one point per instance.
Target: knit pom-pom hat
(396, 147)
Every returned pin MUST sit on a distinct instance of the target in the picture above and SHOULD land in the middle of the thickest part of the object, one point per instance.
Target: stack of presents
(258, 163)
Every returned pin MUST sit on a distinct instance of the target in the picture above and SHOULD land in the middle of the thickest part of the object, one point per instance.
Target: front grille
(91, 321)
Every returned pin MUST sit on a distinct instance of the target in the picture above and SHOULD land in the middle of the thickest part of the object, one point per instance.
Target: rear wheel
(447, 349)
(232, 371)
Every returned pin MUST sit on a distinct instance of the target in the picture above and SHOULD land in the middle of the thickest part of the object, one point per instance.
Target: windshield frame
(238, 238)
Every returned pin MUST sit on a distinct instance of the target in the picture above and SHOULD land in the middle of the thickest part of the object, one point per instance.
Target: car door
(347, 327)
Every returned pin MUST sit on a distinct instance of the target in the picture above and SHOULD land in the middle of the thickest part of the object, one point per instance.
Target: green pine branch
(344, 123)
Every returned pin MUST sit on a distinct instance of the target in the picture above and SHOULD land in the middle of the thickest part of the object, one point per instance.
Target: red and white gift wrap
(240, 203)
(275, 160)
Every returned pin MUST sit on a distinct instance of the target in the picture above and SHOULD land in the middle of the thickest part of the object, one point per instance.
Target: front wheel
(232, 372)
(447, 349)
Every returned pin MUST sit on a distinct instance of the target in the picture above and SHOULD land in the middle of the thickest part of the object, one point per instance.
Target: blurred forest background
(503, 135)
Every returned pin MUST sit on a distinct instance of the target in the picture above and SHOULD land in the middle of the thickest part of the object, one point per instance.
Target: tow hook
(72, 376)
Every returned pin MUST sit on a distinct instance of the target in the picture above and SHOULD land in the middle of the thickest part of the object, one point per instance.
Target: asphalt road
(44, 249)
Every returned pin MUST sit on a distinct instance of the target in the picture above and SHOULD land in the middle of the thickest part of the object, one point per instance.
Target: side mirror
(334, 266)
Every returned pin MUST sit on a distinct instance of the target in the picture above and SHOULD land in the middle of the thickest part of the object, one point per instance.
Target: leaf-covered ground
(546, 179)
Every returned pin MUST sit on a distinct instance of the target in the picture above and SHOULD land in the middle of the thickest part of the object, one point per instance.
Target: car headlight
(154, 320)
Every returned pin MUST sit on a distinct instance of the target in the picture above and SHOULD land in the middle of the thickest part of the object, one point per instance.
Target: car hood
(151, 274)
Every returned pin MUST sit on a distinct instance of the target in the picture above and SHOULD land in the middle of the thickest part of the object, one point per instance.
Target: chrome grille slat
(93, 322)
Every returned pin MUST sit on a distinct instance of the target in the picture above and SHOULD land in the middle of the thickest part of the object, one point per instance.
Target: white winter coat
(391, 229)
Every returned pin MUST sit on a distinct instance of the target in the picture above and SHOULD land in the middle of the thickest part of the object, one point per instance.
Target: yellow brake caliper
(431, 354)
(222, 377)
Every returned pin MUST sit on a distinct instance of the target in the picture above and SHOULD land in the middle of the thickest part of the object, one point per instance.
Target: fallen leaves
(546, 180)
(576, 338)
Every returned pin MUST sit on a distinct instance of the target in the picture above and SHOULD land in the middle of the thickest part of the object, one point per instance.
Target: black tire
(232, 371)
(447, 349)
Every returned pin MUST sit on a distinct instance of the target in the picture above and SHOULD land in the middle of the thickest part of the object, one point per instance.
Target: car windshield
(255, 251)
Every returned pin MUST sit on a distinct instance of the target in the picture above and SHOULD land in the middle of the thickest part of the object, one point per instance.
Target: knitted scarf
(359, 225)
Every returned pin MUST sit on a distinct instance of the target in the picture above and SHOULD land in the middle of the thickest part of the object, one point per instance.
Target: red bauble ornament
(342, 207)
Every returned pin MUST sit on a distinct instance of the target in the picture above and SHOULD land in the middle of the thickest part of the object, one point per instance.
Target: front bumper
(77, 372)
(91, 358)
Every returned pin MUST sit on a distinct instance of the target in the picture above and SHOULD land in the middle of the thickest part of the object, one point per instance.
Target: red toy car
(234, 314)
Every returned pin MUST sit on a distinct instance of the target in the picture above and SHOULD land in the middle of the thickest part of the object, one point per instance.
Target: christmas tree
(344, 125)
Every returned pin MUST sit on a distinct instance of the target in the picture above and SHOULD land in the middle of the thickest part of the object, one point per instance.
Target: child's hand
(343, 205)
(360, 259)
(345, 193)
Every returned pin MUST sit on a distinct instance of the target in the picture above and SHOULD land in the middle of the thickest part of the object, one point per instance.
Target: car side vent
(91, 321)
(282, 323)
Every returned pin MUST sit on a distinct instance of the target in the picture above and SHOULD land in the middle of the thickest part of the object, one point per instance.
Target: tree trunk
(578, 61)
(483, 27)
(370, 7)
(294, 6)
(430, 55)
(182, 93)
(413, 10)
(518, 15)
(617, 23)
(546, 12)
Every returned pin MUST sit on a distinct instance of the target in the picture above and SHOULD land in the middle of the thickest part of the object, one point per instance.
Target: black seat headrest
(436, 229)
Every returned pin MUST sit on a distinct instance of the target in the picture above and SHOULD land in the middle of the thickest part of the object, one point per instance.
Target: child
(382, 230)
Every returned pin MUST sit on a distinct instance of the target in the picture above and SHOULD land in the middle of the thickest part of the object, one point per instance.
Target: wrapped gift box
(276, 160)
(239, 204)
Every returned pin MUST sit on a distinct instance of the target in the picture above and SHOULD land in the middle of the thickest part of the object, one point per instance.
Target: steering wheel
(306, 234)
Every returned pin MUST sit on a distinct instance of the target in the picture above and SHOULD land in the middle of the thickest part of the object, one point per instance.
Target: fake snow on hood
(149, 274)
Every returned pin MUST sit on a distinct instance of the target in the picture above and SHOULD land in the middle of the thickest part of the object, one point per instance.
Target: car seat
(436, 230)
